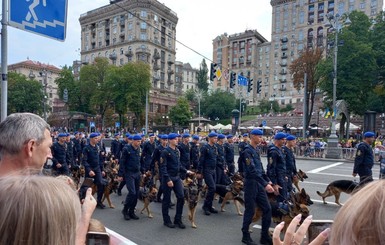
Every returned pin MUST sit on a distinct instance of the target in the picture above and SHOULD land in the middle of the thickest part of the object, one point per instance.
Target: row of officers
(176, 156)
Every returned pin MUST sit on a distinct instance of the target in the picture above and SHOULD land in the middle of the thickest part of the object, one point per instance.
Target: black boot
(132, 215)
(246, 239)
(266, 239)
(125, 213)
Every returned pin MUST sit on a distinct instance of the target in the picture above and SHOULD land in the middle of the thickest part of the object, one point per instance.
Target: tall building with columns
(142, 30)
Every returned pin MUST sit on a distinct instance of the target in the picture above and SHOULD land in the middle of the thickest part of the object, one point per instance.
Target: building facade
(185, 77)
(46, 74)
(296, 25)
(239, 53)
(128, 31)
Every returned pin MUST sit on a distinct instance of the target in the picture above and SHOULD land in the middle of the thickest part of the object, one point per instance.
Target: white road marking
(313, 183)
(325, 167)
(339, 175)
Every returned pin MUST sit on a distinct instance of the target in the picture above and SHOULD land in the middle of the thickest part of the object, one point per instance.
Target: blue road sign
(44, 17)
(263, 123)
(117, 124)
(242, 81)
(92, 124)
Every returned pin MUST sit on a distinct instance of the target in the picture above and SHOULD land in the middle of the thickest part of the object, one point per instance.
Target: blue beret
(117, 134)
(280, 136)
(164, 137)
(172, 136)
(229, 136)
(178, 135)
(62, 135)
(136, 137)
(256, 132)
(130, 137)
(185, 135)
(290, 137)
(151, 135)
(369, 134)
(93, 135)
(142, 135)
(127, 135)
(213, 134)
(68, 134)
(245, 135)
(221, 136)
(195, 137)
(76, 133)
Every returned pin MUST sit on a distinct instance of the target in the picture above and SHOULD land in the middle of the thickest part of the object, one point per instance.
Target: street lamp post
(336, 22)
(199, 97)
(44, 74)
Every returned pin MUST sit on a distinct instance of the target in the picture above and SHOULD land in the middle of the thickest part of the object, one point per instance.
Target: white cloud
(200, 21)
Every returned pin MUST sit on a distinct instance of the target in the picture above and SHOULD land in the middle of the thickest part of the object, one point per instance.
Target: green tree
(307, 63)
(24, 95)
(356, 66)
(202, 77)
(190, 95)
(266, 106)
(218, 104)
(180, 114)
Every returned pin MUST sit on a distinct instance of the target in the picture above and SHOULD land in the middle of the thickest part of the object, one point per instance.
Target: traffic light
(259, 87)
(250, 85)
(213, 71)
(233, 77)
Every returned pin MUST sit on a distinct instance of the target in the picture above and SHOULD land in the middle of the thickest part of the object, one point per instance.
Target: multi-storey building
(185, 77)
(46, 74)
(239, 53)
(142, 30)
(296, 25)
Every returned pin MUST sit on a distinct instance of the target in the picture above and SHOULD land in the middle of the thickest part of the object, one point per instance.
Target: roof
(35, 65)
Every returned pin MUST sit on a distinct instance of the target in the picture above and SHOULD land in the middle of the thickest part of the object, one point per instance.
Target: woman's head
(37, 210)
(362, 219)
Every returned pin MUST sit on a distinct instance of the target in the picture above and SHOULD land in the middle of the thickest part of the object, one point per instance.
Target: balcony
(156, 67)
(156, 77)
(284, 56)
(113, 56)
(170, 62)
(283, 80)
(284, 39)
(169, 71)
(283, 72)
(284, 48)
(282, 89)
(128, 53)
(283, 64)
(156, 56)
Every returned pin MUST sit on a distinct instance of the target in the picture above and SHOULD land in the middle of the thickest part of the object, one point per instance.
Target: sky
(200, 21)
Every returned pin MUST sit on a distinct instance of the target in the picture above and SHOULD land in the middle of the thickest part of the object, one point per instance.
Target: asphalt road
(224, 228)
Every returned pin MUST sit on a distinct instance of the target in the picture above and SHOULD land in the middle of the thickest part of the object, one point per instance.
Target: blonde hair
(37, 210)
(96, 225)
(361, 220)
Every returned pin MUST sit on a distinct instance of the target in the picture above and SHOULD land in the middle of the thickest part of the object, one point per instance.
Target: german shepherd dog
(147, 194)
(298, 204)
(301, 176)
(111, 185)
(336, 187)
(192, 197)
(231, 192)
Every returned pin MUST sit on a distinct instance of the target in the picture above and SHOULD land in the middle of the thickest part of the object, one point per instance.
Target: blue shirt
(130, 160)
(170, 165)
(364, 161)
(208, 158)
(252, 165)
(276, 165)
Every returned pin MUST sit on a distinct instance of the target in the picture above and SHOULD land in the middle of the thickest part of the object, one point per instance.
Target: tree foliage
(202, 76)
(24, 95)
(265, 106)
(307, 63)
(218, 104)
(102, 86)
(356, 66)
(180, 114)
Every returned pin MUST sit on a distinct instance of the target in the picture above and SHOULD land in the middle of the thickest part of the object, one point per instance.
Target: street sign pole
(4, 61)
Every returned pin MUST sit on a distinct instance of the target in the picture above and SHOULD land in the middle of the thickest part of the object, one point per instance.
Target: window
(362, 5)
(130, 26)
(301, 17)
(143, 14)
(341, 8)
(143, 25)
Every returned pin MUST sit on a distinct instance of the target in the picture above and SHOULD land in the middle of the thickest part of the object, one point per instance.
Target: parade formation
(152, 167)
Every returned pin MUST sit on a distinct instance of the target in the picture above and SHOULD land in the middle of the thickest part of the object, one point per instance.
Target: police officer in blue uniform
(184, 149)
(71, 155)
(126, 142)
(221, 164)
(291, 168)
(60, 156)
(131, 170)
(77, 148)
(207, 166)
(241, 146)
(256, 185)
(116, 147)
(276, 166)
(163, 140)
(364, 161)
(229, 154)
(94, 167)
(194, 152)
(171, 167)
(148, 150)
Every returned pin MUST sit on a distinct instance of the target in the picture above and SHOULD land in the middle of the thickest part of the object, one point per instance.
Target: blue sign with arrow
(43, 17)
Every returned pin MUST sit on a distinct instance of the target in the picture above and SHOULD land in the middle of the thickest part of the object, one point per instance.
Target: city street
(224, 228)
